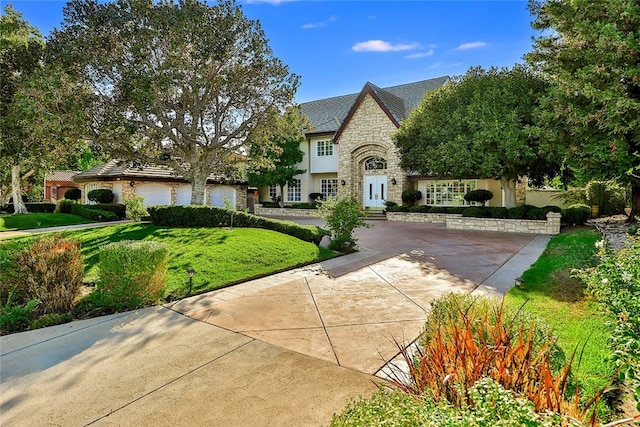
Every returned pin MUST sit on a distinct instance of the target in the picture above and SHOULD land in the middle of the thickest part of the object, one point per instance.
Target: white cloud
(313, 25)
(472, 45)
(382, 46)
(419, 55)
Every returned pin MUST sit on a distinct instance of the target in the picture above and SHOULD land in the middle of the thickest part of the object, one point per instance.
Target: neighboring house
(350, 150)
(158, 185)
(56, 183)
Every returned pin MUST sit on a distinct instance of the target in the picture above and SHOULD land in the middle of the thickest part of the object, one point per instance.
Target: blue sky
(337, 46)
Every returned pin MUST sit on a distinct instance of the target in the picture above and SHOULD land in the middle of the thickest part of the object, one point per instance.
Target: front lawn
(39, 220)
(220, 256)
(551, 293)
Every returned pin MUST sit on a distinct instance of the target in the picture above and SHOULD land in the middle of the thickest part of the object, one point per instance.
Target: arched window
(375, 163)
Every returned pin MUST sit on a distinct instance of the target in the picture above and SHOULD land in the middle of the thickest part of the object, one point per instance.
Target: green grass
(219, 256)
(39, 220)
(553, 295)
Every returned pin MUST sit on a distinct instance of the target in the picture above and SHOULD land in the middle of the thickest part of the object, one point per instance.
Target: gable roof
(329, 114)
(115, 169)
(61, 176)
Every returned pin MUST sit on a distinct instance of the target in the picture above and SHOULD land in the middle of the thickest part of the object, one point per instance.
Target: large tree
(590, 50)
(21, 48)
(477, 126)
(278, 155)
(183, 84)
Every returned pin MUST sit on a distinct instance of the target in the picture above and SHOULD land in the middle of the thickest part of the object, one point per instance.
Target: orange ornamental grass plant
(467, 339)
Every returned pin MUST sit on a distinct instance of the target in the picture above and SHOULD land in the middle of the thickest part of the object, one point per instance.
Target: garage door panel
(154, 194)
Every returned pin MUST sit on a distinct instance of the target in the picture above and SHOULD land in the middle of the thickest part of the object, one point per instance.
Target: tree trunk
(509, 187)
(198, 188)
(635, 201)
(18, 204)
(282, 196)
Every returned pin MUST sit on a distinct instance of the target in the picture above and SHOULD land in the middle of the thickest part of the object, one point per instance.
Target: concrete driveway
(286, 350)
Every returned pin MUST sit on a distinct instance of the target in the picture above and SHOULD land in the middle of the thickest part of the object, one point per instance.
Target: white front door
(375, 191)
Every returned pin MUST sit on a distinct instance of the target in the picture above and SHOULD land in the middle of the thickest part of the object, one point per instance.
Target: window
(325, 148)
(328, 187)
(448, 193)
(375, 163)
(273, 193)
(293, 191)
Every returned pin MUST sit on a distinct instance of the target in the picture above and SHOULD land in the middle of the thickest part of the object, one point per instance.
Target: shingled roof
(327, 115)
(115, 169)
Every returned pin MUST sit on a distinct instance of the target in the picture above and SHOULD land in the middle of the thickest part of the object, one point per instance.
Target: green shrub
(90, 213)
(397, 208)
(411, 196)
(117, 208)
(64, 206)
(489, 405)
(73, 194)
(576, 214)
(420, 209)
(389, 204)
(101, 195)
(479, 196)
(50, 270)
(518, 212)
(209, 216)
(438, 209)
(270, 204)
(596, 193)
(134, 207)
(477, 212)
(498, 212)
(455, 209)
(316, 197)
(342, 217)
(17, 317)
(616, 198)
(132, 274)
(615, 282)
(35, 207)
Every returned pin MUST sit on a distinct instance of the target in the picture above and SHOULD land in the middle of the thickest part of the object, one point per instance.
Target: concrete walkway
(287, 350)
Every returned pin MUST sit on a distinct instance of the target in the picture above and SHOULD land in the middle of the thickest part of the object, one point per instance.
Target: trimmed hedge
(73, 194)
(34, 207)
(119, 209)
(577, 214)
(101, 195)
(209, 216)
(94, 214)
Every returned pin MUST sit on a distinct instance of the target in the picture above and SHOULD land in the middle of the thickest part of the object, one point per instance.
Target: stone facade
(457, 222)
(367, 135)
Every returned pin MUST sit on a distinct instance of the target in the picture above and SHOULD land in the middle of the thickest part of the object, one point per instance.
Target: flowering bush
(615, 282)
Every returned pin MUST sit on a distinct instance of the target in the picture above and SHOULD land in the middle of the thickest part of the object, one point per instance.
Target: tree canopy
(182, 84)
(477, 126)
(590, 51)
(281, 150)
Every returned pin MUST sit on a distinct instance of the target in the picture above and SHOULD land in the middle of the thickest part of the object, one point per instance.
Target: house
(350, 150)
(158, 185)
(56, 183)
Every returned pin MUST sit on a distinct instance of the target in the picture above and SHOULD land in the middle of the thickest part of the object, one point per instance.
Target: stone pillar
(521, 191)
(553, 223)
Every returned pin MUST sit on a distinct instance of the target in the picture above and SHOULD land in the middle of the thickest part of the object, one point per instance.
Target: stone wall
(431, 218)
(458, 222)
(366, 135)
(307, 213)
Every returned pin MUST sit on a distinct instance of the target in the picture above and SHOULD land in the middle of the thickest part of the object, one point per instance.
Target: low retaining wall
(259, 210)
(458, 222)
(432, 218)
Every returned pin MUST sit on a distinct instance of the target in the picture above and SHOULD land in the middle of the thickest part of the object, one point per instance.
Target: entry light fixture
(132, 183)
(393, 181)
(343, 182)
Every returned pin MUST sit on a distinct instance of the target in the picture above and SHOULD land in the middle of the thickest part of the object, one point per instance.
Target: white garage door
(154, 194)
(219, 194)
(183, 195)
